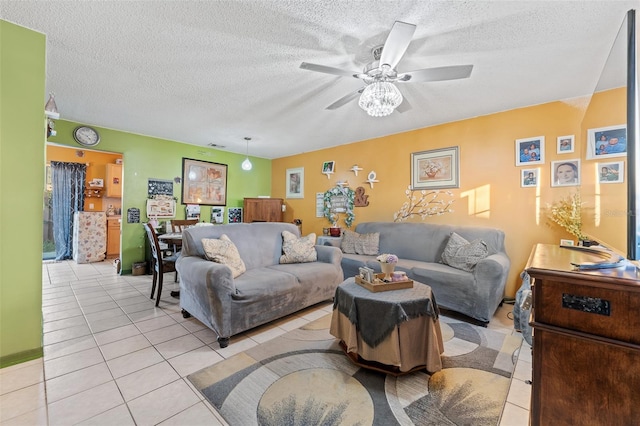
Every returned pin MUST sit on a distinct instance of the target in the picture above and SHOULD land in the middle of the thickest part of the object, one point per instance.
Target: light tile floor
(112, 358)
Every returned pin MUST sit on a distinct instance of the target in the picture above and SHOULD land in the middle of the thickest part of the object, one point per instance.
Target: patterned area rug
(304, 378)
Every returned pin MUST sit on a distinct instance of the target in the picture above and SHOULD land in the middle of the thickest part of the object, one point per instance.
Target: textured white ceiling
(204, 72)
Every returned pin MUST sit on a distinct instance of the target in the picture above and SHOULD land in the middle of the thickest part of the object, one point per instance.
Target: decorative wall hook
(355, 169)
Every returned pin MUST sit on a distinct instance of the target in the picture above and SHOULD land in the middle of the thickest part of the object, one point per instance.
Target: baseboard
(20, 357)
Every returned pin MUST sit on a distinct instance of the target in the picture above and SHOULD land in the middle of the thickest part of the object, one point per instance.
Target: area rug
(304, 378)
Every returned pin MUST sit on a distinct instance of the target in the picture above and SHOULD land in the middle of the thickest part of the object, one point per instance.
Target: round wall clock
(87, 136)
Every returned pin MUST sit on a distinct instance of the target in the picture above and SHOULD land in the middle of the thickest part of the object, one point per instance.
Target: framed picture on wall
(612, 172)
(295, 183)
(328, 166)
(204, 182)
(530, 151)
(435, 169)
(565, 144)
(606, 142)
(565, 173)
(529, 178)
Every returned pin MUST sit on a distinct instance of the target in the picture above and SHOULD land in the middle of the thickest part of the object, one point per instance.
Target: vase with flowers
(567, 213)
(387, 265)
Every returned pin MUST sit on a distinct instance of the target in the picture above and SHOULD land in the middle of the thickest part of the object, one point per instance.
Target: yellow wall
(490, 193)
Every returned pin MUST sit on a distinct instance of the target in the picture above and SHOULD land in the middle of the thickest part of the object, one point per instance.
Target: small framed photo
(565, 144)
(366, 273)
(611, 172)
(565, 173)
(434, 169)
(529, 178)
(328, 166)
(295, 183)
(530, 151)
(606, 142)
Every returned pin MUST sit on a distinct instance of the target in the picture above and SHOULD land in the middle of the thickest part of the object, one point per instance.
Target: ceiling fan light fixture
(380, 98)
(246, 164)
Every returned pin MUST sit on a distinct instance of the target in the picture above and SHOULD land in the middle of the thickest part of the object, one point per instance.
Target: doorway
(102, 193)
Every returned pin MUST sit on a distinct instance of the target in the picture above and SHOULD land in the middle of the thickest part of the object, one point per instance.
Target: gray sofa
(266, 291)
(419, 247)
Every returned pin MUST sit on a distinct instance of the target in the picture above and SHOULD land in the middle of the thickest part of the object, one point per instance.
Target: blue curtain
(68, 198)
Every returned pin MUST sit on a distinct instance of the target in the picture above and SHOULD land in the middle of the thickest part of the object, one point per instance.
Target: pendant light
(246, 164)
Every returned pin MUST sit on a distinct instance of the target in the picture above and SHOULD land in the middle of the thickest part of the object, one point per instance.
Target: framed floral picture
(204, 183)
(565, 144)
(612, 172)
(435, 169)
(606, 142)
(530, 151)
(295, 183)
(529, 178)
(565, 173)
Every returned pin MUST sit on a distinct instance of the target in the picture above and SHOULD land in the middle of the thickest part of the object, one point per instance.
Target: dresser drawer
(605, 312)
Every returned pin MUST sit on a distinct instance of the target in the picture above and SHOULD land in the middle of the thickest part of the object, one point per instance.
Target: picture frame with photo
(607, 142)
(435, 169)
(204, 182)
(611, 172)
(530, 151)
(565, 172)
(565, 144)
(328, 166)
(295, 183)
(529, 178)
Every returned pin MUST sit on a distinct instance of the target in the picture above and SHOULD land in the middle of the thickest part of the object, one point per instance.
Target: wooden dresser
(262, 210)
(586, 340)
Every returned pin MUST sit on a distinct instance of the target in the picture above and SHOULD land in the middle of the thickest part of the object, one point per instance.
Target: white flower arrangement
(387, 258)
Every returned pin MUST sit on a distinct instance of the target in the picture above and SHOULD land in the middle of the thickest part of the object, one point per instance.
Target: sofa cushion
(298, 250)
(462, 254)
(225, 252)
(355, 243)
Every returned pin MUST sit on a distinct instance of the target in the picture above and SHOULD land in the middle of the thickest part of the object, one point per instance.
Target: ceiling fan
(379, 96)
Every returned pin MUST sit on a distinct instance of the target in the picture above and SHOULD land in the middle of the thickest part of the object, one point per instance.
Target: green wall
(22, 98)
(146, 157)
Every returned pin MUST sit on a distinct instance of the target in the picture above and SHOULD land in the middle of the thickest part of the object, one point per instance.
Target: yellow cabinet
(113, 236)
(114, 180)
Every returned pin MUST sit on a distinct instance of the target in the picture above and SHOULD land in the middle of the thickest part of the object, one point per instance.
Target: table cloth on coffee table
(406, 330)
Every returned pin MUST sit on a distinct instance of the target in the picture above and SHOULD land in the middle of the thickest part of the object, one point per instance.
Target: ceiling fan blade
(345, 99)
(397, 43)
(453, 72)
(327, 70)
(404, 106)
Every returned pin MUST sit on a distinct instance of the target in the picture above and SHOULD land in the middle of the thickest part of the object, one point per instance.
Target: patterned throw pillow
(368, 243)
(348, 243)
(225, 252)
(354, 243)
(298, 250)
(462, 254)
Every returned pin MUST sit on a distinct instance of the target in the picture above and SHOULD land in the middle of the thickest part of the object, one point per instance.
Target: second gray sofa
(419, 247)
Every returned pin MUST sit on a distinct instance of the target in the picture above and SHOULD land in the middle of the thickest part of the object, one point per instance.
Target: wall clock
(87, 136)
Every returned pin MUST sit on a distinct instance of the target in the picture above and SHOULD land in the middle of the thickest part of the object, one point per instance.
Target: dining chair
(159, 264)
(179, 225)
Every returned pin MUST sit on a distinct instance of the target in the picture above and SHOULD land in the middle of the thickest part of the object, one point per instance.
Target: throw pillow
(298, 250)
(462, 254)
(354, 243)
(368, 243)
(348, 243)
(225, 252)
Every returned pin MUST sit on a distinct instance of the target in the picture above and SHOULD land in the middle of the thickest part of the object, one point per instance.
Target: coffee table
(395, 331)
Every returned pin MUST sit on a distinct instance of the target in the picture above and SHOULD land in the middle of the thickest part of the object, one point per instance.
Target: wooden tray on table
(379, 285)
